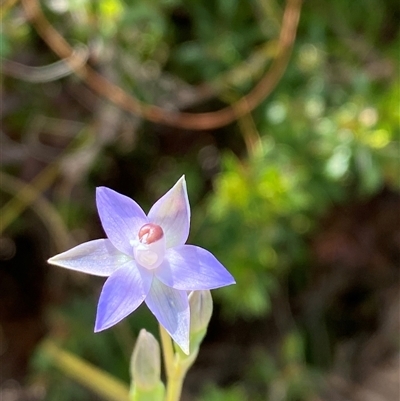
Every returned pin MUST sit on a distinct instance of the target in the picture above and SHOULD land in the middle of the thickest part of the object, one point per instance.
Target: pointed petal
(172, 213)
(171, 308)
(190, 267)
(98, 257)
(121, 218)
(122, 293)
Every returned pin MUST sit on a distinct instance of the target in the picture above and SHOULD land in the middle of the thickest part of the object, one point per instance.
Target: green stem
(175, 383)
(175, 368)
(101, 383)
(168, 351)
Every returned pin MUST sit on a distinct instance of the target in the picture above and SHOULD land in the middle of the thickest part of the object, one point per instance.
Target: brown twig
(192, 121)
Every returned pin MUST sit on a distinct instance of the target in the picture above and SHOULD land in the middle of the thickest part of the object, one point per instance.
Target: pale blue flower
(147, 260)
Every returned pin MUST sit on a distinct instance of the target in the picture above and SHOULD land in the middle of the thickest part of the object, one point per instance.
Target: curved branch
(50, 72)
(155, 114)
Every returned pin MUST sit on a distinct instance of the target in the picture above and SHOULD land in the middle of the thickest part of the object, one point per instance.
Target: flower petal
(98, 257)
(171, 308)
(121, 218)
(172, 213)
(190, 267)
(122, 293)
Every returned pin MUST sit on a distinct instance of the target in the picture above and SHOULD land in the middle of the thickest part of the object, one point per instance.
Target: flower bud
(146, 362)
(201, 307)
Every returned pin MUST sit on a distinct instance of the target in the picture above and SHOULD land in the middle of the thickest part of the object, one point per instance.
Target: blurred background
(288, 137)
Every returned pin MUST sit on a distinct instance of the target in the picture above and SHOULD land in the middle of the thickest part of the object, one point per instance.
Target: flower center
(149, 251)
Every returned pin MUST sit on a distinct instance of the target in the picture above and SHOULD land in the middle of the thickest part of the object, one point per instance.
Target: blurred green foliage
(328, 133)
(312, 156)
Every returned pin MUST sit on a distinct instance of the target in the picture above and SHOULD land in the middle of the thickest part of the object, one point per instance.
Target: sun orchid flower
(147, 260)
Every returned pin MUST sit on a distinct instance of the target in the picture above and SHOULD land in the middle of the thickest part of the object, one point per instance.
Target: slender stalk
(175, 383)
(99, 382)
(175, 368)
(168, 351)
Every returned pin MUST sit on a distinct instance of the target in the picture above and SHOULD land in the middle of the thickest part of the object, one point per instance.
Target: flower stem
(168, 351)
(175, 368)
(175, 383)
